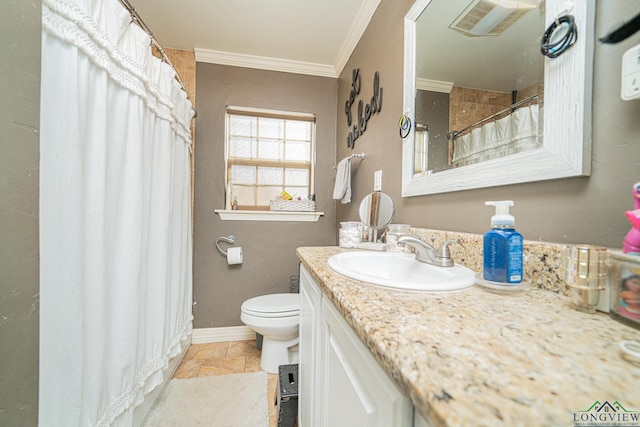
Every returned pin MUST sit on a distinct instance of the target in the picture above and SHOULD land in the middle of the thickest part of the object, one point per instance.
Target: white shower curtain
(512, 134)
(115, 237)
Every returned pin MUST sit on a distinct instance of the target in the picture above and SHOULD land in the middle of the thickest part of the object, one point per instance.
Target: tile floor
(223, 358)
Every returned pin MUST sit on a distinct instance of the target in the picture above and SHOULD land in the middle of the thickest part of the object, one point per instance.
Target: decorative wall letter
(364, 111)
(355, 90)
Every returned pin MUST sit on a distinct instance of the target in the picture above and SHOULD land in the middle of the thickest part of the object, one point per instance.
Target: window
(268, 152)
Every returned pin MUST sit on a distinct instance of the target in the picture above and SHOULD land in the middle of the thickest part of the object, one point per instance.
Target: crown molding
(356, 31)
(434, 85)
(264, 63)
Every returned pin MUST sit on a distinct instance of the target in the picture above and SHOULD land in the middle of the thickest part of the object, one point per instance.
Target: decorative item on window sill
(287, 203)
(292, 205)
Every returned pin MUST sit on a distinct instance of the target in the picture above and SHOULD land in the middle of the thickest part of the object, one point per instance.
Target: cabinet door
(356, 391)
(419, 421)
(309, 348)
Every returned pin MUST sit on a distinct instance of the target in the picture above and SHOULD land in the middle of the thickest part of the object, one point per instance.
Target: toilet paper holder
(230, 239)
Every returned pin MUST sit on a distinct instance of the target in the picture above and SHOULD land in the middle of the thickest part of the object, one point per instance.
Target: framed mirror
(557, 90)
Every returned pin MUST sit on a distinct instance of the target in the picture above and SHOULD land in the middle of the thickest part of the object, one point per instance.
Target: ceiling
(312, 36)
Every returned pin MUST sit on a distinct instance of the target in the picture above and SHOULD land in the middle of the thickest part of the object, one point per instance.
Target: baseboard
(231, 333)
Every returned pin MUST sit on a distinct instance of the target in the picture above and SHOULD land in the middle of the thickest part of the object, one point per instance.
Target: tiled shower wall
(467, 106)
(184, 62)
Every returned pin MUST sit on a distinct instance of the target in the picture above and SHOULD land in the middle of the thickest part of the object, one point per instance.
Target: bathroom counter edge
(478, 358)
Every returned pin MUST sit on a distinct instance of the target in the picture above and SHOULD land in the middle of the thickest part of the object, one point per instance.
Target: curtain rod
(138, 20)
(456, 133)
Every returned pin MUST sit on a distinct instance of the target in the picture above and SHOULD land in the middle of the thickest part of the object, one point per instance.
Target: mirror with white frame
(480, 97)
(563, 146)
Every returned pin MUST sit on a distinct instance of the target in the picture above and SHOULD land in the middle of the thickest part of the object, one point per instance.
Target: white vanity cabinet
(309, 352)
(340, 383)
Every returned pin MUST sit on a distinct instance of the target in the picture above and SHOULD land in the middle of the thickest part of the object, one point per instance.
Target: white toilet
(277, 318)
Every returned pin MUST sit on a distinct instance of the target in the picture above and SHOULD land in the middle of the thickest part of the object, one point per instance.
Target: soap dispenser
(502, 247)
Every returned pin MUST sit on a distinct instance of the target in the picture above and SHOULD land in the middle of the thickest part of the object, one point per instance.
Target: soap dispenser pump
(502, 248)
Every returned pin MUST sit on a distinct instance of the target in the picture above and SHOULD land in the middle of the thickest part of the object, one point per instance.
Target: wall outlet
(631, 74)
(377, 180)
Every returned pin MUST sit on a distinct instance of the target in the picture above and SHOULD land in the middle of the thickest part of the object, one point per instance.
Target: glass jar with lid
(393, 232)
(349, 235)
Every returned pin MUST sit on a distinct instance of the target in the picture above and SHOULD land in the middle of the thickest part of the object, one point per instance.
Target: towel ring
(229, 239)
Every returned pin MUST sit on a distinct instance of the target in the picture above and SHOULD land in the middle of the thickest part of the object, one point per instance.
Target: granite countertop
(476, 358)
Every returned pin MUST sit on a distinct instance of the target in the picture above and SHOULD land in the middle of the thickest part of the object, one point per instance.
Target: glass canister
(349, 235)
(393, 232)
(585, 270)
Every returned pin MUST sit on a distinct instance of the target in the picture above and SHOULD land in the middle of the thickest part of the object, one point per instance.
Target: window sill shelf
(231, 215)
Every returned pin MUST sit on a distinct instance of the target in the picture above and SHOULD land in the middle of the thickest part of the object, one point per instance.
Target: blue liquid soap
(502, 249)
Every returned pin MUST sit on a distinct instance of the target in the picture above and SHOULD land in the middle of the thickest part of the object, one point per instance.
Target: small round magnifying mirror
(376, 210)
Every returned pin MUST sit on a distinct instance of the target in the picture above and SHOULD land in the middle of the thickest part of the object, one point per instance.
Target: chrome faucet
(427, 253)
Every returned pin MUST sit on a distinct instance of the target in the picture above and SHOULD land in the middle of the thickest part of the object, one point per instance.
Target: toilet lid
(273, 304)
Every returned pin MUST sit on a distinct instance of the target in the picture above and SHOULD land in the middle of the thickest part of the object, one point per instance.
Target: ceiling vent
(491, 17)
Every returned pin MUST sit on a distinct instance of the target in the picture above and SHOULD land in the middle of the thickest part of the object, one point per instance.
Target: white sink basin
(400, 271)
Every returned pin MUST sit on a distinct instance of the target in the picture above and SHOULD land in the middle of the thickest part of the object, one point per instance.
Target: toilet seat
(277, 318)
(273, 305)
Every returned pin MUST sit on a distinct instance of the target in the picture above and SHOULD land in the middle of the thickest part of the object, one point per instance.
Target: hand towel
(342, 188)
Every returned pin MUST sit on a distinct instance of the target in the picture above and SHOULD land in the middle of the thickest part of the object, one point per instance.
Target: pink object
(634, 218)
(631, 241)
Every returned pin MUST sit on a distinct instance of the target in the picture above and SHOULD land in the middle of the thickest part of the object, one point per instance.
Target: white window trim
(263, 215)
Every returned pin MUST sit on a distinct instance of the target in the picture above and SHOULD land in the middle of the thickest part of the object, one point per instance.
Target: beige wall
(19, 259)
(381, 48)
(269, 247)
(577, 210)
